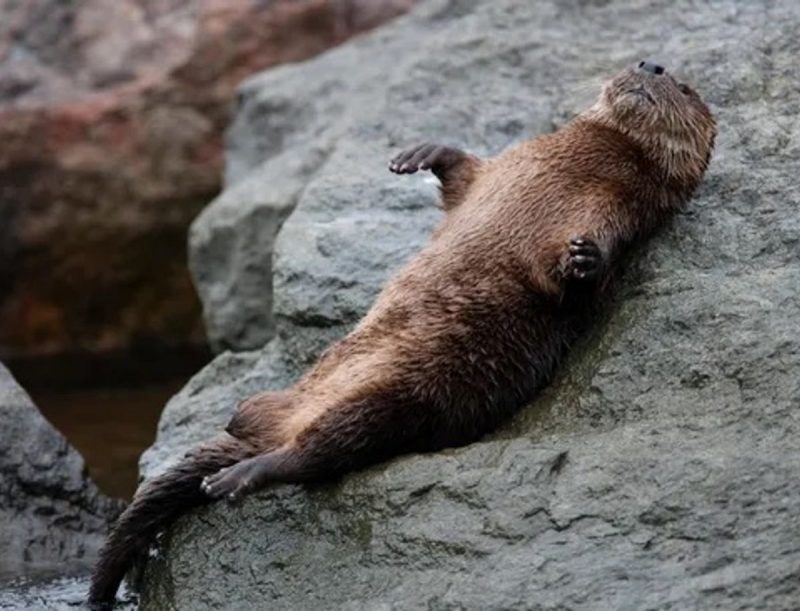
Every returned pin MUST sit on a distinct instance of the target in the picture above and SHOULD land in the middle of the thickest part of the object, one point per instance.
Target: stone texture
(52, 517)
(111, 119)
(659, 471)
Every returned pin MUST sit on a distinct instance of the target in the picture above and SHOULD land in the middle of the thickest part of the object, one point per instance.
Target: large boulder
(52, 517)
(111, 122)
(660, 468)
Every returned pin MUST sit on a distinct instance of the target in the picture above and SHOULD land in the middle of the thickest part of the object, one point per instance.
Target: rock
(230, 247)
(111, 118)
(659, 470)
(52, 517)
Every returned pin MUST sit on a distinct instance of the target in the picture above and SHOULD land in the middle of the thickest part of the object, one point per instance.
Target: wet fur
(472, 327)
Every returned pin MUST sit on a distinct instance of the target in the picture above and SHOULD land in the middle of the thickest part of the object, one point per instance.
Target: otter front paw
(426, 156)
(585, 259)
(235, 482)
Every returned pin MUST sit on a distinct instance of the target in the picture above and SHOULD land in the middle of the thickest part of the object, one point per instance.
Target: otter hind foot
(248, 476)
(235, 482)
(434, 157)
(585, 259)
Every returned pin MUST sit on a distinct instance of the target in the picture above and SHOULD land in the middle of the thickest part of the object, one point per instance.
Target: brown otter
(472, 327)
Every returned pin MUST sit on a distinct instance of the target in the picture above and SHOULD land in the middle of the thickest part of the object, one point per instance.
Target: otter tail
(156, 504)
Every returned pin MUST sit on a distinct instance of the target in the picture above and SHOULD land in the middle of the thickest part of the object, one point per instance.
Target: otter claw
(426, 156)
(232, 483)
(585, 259)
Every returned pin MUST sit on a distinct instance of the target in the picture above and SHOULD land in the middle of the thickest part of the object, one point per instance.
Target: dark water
(110, 427)
(108, 405)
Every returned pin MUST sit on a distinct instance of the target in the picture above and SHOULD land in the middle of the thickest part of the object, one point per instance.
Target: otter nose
(651, 67)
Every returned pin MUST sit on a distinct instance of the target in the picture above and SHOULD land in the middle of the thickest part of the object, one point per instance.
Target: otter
(471, 328)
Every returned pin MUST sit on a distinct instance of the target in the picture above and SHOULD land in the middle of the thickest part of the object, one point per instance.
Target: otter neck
(677, 161)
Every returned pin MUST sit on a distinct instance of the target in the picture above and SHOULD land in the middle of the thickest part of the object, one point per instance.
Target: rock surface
(111, 119)
(659, 471)
(52, 517)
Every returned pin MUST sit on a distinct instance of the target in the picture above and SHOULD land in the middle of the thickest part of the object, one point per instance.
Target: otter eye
(684, 89)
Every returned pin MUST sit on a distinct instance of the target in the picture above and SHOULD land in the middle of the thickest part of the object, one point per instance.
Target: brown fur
(471, 328)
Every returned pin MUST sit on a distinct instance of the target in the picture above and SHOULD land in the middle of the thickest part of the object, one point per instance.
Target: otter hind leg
(345, 437)
(251, 474)
(258, 419)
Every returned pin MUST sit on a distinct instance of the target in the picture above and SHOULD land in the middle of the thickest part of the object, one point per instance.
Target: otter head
(668, 119)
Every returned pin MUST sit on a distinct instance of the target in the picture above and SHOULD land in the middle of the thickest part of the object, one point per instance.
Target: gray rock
(659, 471)
(52, 517)
(230, 247)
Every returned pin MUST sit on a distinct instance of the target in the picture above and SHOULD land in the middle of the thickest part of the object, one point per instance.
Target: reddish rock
(111, 115)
